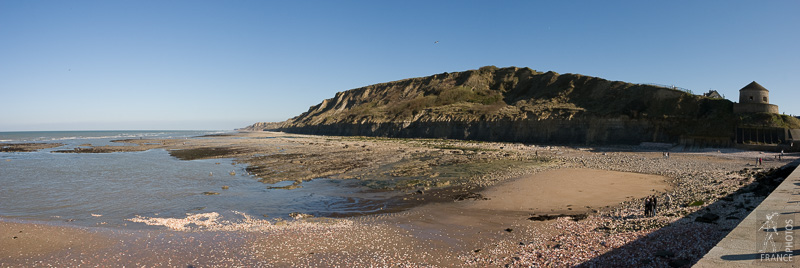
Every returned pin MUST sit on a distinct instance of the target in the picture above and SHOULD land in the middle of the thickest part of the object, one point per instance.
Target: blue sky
(89, 65)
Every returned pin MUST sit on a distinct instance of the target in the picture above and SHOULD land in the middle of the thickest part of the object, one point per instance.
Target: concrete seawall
(768, 237)
(589, 130)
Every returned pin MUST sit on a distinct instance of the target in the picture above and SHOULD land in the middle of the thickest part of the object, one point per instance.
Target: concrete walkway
(768, 237)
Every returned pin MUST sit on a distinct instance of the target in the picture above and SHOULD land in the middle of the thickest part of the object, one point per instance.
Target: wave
(213, 221)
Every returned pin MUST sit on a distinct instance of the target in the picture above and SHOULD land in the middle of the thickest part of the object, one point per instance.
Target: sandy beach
(456, 204)
(570, 190)
(24, 243)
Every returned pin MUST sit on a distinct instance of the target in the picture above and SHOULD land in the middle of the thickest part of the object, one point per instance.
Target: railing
(671, 87)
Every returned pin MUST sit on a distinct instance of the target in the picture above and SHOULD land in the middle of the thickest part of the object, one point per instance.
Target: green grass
(481, 101)
(769, 120)
(461, 94)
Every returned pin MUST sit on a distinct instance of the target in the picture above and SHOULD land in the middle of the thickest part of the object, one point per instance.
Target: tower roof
(754, 86)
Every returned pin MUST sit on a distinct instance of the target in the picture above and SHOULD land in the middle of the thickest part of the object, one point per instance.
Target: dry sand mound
(570, 190)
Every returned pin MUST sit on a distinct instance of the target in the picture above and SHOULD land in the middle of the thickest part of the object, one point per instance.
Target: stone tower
(754, 98)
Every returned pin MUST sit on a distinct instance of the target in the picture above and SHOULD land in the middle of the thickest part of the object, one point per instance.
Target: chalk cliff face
(516, 104)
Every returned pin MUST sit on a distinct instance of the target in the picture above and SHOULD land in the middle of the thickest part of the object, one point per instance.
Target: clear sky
(91, 65)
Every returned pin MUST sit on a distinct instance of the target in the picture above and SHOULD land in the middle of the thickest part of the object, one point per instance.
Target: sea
(108, 189)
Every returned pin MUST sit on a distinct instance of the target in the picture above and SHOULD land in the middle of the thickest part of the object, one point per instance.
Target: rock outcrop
(516, 104)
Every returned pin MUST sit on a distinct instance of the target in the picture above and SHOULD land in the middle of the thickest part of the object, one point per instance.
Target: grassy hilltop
(515, 95)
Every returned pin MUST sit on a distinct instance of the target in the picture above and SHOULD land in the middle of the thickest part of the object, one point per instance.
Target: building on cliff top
(754, 98)
(713, 94)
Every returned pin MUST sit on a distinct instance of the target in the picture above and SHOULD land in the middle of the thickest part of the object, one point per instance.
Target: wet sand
(490, 229)
(25, 243)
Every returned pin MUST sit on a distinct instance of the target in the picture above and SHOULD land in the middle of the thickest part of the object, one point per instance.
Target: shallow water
(106, 189)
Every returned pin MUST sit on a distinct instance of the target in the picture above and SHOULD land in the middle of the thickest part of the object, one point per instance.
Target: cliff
(516, 104)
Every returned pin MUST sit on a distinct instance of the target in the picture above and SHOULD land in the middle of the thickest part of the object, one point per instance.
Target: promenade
(768, 236)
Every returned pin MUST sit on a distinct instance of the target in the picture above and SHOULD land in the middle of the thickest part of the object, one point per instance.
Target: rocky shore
(450, 211)
(713, 192)
(27, 147)
(419, 167)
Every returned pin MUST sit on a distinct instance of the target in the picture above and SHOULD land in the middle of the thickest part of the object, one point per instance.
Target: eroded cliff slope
(516, 104)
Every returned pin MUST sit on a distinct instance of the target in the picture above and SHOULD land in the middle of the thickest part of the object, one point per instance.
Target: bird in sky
(437, 41)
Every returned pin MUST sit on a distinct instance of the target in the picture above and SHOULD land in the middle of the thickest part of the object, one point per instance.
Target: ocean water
(106, 189)
(78, 136)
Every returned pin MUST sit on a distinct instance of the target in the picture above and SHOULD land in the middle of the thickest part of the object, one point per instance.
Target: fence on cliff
(671, 87)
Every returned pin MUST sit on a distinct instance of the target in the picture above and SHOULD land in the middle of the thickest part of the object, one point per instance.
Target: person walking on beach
(646, 206)
(759, 161)
(655, 206)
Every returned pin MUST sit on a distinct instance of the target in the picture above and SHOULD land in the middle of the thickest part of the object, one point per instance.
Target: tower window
(751, 97)
(765, 99)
